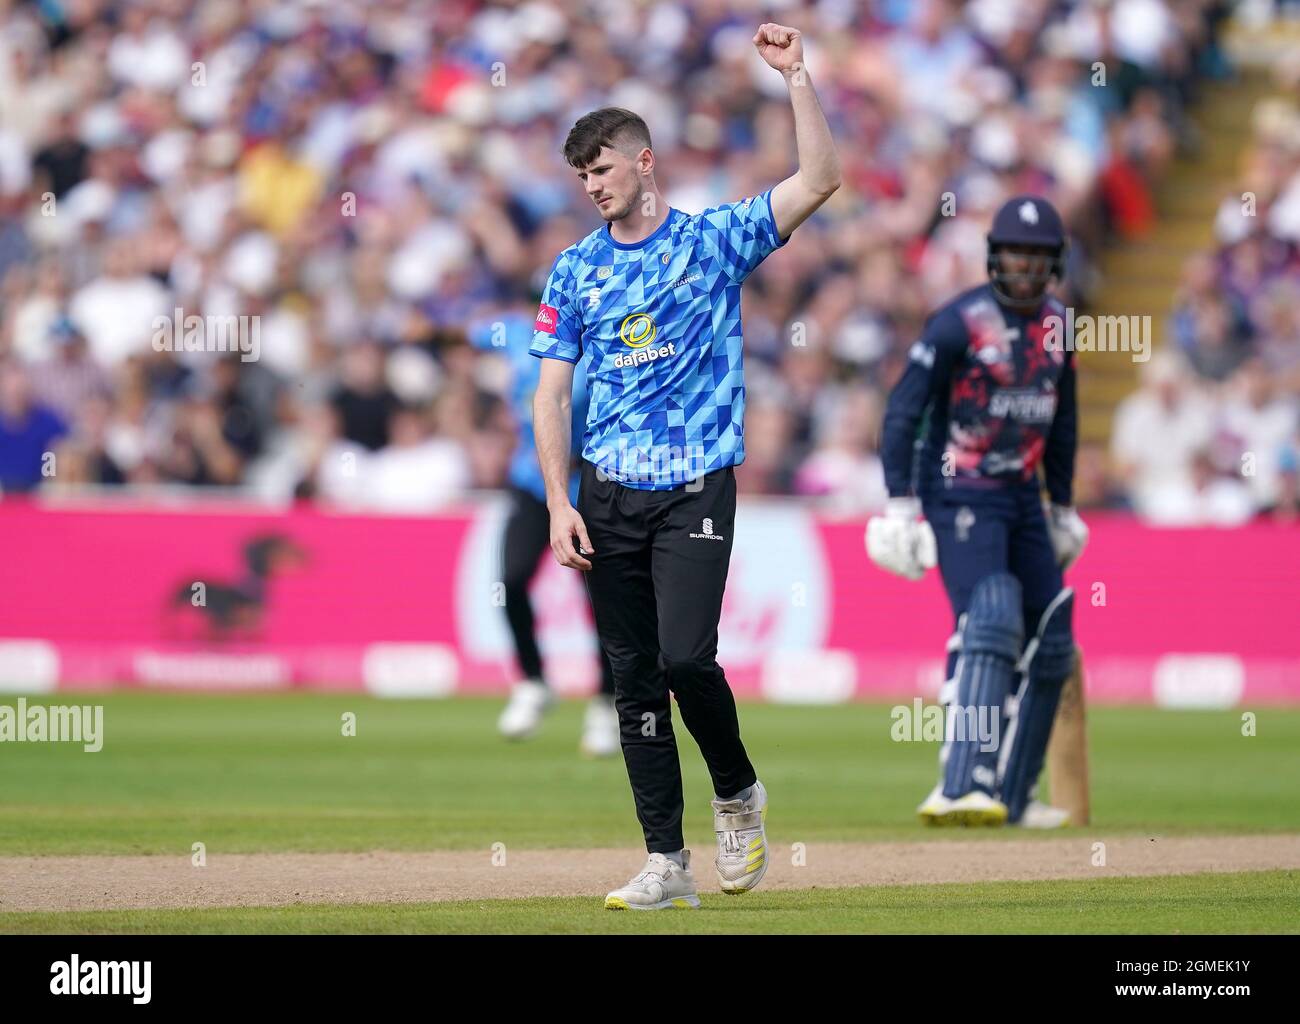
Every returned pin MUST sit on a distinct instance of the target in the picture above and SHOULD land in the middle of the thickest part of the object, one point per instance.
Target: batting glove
(900, 541)
(1069, 534)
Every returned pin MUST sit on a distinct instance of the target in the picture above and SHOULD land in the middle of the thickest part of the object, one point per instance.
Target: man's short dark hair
(610, 126)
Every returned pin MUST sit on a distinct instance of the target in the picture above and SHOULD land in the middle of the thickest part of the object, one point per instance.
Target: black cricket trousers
(656, 584)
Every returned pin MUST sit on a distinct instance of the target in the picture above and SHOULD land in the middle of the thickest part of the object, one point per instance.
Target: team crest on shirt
(603, 273)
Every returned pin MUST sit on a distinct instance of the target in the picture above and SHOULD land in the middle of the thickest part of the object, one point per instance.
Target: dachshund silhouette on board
(233, 611)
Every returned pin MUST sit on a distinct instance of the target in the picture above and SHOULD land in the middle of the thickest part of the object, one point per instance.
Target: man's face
(613, 183)
(1026, 266)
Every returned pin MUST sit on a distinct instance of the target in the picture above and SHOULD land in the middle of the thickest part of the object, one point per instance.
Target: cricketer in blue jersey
(649, 304)
(511, 335)
(986, 405)
(656, 324)
(525, 538)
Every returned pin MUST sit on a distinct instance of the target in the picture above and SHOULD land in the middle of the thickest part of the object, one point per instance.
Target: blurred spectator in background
(1255, 425)
(61, 162)
(116, 310)
(1236, 321)
(1209, 326)
(68, 378)
(1278, 337)
(1287, 507)
(83, 458)
(1202, 497)
(844, 465)
(364, 401)
(1158, 432)
(28, 431)
(418, 471)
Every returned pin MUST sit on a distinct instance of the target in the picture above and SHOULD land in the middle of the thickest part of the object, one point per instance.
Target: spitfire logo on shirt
(1027, 405)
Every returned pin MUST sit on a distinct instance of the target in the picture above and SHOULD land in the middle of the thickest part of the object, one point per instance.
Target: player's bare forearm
(819, 163)
(552, 412)
(552, 408)
(818, 176)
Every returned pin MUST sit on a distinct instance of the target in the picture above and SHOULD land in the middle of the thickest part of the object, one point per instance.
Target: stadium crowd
(380, 186)
(1213, 433)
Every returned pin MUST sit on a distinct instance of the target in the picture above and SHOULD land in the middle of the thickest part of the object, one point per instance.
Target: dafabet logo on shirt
(637, 332)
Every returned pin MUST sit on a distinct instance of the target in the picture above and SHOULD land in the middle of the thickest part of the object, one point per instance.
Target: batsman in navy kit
(650, 305)
(984, 417)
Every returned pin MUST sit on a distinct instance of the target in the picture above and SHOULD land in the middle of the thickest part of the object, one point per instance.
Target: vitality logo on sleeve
(547, 318)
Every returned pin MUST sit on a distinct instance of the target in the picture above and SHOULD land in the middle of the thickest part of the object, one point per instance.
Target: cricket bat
(1067, 752)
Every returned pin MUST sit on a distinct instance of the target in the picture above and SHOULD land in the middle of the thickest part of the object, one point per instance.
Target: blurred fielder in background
(526, 536)
(652, 303)
(988, 396)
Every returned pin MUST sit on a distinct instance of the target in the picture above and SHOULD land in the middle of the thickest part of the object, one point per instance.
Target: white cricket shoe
(661, 885)
(742, 841)
(1041, 815)
(977, 808)
(935, 809)
(600, 736)
(529, 700)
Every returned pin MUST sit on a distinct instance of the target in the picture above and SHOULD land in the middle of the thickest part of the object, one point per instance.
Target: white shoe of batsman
(900, 542)
(661, 885)
(742, 841)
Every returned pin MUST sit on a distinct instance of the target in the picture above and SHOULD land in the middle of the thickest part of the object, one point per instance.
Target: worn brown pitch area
(278, 879)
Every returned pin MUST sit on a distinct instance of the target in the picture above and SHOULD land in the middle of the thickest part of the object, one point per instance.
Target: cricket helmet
(1026, 222)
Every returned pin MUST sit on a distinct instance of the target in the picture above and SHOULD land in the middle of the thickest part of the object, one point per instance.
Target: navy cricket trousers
(980, 532)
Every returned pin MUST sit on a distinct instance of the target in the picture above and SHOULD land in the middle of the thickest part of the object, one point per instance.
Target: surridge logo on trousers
(706, 532)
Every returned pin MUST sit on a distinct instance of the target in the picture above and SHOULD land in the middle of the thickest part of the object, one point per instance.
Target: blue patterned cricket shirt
(657, 325)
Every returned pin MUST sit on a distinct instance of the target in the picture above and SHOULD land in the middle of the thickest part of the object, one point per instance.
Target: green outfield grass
(274, 772)
(1265, 901)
